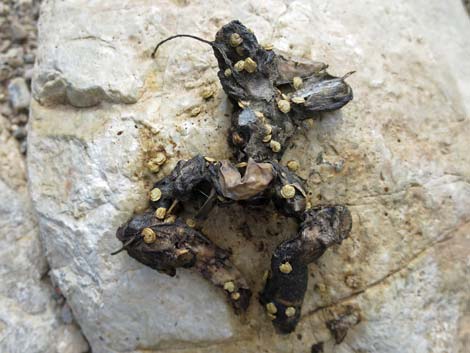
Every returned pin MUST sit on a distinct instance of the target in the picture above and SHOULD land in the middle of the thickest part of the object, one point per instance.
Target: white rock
(28, 314)
(397, 156)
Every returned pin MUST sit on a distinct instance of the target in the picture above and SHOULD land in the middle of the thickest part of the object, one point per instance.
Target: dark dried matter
(271, 96)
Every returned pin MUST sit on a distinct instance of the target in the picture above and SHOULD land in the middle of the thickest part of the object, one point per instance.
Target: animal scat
(271, 96)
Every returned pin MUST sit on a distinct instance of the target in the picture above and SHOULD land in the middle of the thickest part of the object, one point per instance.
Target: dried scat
(300, 89)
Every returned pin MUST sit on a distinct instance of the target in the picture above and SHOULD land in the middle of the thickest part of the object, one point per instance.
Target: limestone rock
(396, 155)
(28, 313)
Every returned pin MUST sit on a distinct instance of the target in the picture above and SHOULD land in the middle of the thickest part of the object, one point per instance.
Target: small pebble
(18, 93)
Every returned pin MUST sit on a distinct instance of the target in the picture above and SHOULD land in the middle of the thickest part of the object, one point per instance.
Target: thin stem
(177, 36)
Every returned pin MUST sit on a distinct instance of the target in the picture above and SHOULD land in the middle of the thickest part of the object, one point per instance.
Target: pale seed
(209, 159)
(191, 222)
(149, 235)
(298, 100)
(267, 138)
(275, 146)
(267, 46)
(239, 65)
(259, 114)
(160, 158)
(290, 311)
(155, 194)
(160, 213)
(235, 40)
(241, 165)
(195, 111)
(250, 65)
(271, 316)
(293, 165)
(288, 191)
(153, 167)
(268, 128)
(285, 268)
(284, 106)
(228, 72)
(271, 308)
(297, 82)
(207, 92)
(235, 296)
(229, 286)
(170, 219)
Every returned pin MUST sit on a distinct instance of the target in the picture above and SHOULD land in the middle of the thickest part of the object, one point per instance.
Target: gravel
(18, 38)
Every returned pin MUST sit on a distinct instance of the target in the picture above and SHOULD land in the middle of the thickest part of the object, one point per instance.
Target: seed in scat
(288, 191)
(227, 72)
(149, 235)
(250, 65)
(275, 146)
(293, 165)
(298, 100)
(290, 311)
(284, 106)
(297, 82)
(267, 138)
(235, 40)
(271, 308)
(155, 194)
(229, 286)
(160, 213)
(285, 267)
(239, 65)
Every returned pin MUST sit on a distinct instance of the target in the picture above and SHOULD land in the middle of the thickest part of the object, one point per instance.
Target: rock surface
(397, 156)
(29, 314)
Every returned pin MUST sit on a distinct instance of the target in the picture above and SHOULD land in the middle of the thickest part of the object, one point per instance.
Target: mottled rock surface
(30, 319)
(396, 155)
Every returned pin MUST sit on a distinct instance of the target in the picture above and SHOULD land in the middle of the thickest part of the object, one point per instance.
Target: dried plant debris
(271, 96)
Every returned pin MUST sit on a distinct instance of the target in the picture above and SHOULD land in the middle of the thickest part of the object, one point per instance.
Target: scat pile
(271, 96)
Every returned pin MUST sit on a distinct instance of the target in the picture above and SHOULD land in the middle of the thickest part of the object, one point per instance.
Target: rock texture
(397, 156)
(30, 317)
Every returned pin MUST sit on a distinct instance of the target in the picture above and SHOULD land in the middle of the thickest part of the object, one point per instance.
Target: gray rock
(396, 155)
(18, 32)
(18, 93)
(28, 314)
